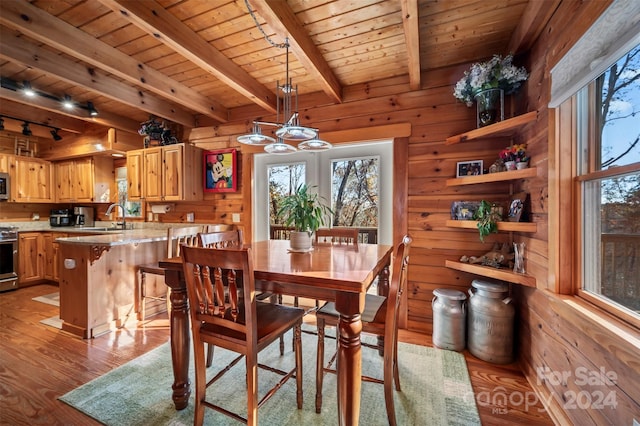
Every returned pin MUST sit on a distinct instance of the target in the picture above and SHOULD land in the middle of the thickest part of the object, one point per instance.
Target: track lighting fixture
(25, 129)
(93, 112)
(55, 135)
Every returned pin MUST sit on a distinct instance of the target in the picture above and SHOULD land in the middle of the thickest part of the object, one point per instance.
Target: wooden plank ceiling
(205, 62)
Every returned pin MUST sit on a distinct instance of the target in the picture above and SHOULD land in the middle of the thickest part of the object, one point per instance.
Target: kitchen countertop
(117, 238)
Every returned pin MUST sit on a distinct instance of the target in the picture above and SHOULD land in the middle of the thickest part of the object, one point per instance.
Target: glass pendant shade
(279, 148)
(296, 133)
(256, 138)
(314, 145)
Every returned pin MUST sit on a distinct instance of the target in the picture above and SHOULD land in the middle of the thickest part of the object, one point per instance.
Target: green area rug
(435, 390)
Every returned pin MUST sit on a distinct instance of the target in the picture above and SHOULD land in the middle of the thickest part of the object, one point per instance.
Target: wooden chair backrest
(337, 235)
(214, 291)
(181, 235)
(224, 239)
(219, 227)
(280, 232)
(397, 286)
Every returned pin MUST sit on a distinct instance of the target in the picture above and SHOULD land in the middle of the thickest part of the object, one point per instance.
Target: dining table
(339, 273)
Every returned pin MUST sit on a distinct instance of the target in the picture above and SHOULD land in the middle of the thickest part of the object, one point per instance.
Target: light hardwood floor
(39, 363)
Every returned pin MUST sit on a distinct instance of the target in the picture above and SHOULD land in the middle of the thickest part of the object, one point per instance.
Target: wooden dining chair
(226, 314)
(221, 239)
(380, 317)
(175, 237)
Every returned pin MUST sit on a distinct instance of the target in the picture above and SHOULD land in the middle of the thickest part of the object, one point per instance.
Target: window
(132, 208)
(608, 179)
(368, 184)
(355, 192)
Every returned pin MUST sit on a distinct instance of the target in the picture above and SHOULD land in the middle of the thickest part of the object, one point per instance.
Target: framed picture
(469, 168)
(464, 210)
(220, 171)
(517, 207)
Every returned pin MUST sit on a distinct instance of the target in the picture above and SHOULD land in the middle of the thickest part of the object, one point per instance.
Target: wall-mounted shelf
(493, 177)
(489, 272)
(506, 128)
(502, 226)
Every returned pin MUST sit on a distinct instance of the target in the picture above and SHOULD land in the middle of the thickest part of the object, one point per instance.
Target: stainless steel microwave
(4, 186)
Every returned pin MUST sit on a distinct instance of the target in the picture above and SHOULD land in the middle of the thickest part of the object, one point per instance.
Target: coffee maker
(84, 216)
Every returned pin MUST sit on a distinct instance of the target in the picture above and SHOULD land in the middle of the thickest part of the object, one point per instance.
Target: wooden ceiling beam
(281, 18)
(104, 119)
(41, 116)
(165, 27)
(47, 29)
(37, 57)
(412, 39)
(534, 19)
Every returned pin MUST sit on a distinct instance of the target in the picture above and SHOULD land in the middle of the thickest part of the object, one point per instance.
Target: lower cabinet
(51, 250)
(30, 257)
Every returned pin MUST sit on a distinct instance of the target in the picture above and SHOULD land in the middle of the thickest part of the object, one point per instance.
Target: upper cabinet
(32, 180)
(165, 173)
(87, 180)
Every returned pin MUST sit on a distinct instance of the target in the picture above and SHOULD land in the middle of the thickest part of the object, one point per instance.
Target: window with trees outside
(354, 191)
(608, 179)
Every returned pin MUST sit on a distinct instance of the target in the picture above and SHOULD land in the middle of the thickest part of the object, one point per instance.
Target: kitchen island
(98, 276)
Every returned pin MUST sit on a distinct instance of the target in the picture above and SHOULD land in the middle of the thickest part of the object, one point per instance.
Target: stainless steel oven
(8, 258)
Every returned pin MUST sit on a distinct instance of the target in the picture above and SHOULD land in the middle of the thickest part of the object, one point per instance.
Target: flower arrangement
(497, 73)
(515, 153)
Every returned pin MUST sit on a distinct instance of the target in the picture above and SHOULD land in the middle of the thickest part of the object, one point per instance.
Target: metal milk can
(490, 322)
(449, 319)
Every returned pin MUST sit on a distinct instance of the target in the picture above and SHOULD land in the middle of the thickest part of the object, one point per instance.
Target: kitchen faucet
(111, 207)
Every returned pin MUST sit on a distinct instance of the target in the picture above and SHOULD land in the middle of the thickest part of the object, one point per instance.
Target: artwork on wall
(220, 171)
(464, 210)
(469, 168)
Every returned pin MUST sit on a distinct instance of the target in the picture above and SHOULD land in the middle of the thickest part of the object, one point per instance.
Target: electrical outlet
(235, 217)
(190, 217)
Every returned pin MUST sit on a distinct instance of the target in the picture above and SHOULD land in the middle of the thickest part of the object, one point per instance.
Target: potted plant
(488, 216)
(306, 213)
(486, 83)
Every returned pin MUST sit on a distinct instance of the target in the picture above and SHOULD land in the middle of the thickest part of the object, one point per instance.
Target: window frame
(571, 128)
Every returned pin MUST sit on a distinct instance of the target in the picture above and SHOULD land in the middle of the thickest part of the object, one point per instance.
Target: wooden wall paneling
(607, 365)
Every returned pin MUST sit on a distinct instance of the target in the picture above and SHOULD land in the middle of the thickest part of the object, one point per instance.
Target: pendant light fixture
(287, 109)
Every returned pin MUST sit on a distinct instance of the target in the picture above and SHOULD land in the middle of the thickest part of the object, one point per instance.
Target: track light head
(93, 112)
(25, 129)
(27, 89)
(67, 103)
(55, 135)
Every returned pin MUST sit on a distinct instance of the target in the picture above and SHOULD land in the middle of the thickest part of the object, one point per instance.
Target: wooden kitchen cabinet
(4, 163)
(135, 177)
(166, 173)
(51, 256)
(88, 179)
(32, 180)
(30, 257)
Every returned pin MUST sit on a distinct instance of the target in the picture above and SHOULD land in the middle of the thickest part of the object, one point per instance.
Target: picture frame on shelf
(464, 210)
(517, 208)
(220, 171)
(469, 168)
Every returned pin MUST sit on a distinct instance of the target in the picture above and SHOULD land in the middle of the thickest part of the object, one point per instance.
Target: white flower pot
(510, 165)
(300, 241)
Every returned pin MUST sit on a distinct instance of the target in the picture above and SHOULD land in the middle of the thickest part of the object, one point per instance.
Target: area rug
(435, 390)
(54, 322)
(50, 299)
